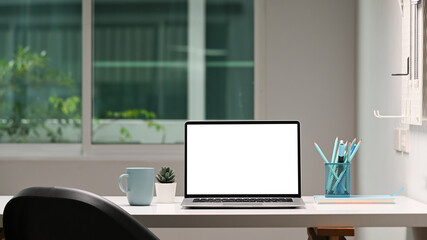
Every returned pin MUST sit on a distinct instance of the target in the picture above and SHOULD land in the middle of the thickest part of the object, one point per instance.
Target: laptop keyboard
(237, 200)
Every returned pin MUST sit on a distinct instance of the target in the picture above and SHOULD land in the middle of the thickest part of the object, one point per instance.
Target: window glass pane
(229, 59)
(158, 63)
(40, 71)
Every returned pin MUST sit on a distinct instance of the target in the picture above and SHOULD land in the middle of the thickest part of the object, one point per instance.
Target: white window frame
(144, 152)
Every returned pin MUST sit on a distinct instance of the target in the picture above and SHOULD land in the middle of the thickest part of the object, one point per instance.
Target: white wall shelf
(412, 63)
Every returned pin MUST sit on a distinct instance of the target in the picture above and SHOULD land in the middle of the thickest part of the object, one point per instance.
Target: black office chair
(55, 213)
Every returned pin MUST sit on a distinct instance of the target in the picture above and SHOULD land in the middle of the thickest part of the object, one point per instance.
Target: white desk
(405, 213)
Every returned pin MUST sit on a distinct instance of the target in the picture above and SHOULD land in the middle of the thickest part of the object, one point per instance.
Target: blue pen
(341, 152)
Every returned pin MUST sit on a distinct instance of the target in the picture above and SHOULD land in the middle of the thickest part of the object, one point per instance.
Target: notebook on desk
(242, 164)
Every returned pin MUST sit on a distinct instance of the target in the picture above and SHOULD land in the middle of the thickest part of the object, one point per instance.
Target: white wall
(307, 70)
(381, 170)
(310, 73)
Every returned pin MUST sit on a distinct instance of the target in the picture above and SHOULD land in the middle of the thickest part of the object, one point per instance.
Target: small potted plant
(166, 186)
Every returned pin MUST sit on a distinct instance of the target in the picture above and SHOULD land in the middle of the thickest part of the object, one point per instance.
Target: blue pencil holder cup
(337, 179)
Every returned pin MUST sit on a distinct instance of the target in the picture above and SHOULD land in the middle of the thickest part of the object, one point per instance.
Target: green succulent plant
(166, 175)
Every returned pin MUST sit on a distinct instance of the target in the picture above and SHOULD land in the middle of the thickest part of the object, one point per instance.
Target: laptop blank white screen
(242, 159)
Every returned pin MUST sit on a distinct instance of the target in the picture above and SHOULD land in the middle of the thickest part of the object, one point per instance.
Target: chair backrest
(53, 213)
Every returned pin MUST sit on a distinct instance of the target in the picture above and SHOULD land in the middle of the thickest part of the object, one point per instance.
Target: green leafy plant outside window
(26, 109)
(28, 98)
(147, 116)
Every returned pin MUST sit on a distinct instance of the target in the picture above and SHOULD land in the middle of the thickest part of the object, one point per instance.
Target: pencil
(321, 153)
(334, 150)
(350, 146)
(326, 161)
(355, 150)
(353, 145)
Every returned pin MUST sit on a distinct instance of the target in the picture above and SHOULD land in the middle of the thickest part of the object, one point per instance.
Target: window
(158, 63)
(40, 71)
(155, 64)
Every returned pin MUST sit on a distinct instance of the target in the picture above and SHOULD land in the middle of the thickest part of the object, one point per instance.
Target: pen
(341, 153)
(341, 150)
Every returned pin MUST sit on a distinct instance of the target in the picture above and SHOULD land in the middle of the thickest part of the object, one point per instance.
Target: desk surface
(405, 212)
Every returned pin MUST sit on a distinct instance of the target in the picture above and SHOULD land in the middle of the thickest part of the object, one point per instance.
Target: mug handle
(121, 182)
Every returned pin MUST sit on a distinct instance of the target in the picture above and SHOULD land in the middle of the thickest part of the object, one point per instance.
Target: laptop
(242, 164)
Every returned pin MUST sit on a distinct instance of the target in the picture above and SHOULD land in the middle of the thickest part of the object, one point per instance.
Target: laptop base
(295, 203)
